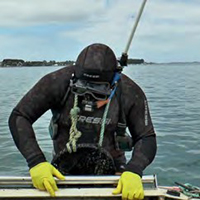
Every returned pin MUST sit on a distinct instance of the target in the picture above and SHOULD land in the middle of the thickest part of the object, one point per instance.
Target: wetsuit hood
(97, 62)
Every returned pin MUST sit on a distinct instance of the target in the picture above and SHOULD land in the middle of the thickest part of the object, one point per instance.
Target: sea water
(173, 93)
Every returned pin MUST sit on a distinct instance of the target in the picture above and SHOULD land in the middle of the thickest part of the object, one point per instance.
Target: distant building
(12, 62)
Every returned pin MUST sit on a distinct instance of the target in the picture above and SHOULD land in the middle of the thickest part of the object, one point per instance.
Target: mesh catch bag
(89, 159)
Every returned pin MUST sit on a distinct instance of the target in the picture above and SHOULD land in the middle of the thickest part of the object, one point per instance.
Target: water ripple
(174, 100)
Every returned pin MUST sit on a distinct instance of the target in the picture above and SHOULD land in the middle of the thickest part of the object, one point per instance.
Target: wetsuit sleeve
(43, 96)
(142, 131)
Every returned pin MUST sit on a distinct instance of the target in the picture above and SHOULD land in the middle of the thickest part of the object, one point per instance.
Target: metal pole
(73, 180)
(134, 27)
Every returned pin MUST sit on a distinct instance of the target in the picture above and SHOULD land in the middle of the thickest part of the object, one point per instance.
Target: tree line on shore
(21, 63)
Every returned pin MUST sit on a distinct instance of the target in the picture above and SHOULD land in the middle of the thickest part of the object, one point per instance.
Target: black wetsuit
(48, 94)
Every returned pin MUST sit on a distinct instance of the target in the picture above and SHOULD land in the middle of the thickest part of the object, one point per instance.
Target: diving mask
(98, 90)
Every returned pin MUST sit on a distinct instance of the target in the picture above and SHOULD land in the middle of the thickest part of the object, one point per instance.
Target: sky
(168, 31)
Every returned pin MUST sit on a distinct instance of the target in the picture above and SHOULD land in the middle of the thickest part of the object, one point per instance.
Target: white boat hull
(78, 187)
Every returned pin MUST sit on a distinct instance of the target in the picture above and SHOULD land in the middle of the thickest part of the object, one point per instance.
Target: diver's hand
(42, 177)
(130, 185)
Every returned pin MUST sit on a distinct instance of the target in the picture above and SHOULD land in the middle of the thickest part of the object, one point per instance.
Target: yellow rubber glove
(130, 185)
(42, 177)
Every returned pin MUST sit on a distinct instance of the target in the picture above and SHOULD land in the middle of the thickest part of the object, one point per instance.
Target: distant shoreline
(174, 63)
(10, 63)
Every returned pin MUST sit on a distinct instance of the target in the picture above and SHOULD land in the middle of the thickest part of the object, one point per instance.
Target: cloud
(168, 30)
(164, 28)
(37, 12)
(113, 28)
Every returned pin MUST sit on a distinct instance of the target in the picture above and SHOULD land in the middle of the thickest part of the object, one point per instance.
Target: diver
(92, 104)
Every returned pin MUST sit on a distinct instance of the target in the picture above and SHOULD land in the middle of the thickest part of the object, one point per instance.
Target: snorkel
(115, 81)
